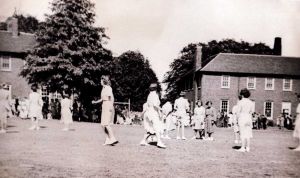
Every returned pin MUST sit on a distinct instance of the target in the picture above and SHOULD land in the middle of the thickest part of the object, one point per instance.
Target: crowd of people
(158, 121)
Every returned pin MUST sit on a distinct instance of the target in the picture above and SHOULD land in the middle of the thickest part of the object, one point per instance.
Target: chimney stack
(277, 46)
(198, 57)
(12, 26)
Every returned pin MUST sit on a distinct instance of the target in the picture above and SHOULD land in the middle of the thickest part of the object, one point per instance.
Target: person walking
(4, 107)
(296, 132)
(108, 111)
(245, 109)
(35, 108)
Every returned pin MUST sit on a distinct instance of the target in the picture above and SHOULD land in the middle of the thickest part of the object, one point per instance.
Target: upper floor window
(269, 83)
(225, 81)
(5, 62)
(251, 82)
(287, 84)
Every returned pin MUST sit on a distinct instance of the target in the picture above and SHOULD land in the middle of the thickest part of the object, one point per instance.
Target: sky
(159, 29)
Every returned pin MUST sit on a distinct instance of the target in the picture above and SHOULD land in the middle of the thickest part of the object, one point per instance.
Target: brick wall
(20, 86)
(211, 90)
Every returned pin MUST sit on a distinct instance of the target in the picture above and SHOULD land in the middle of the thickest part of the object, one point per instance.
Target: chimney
(12, 26)
(198, 56)
(277, 46)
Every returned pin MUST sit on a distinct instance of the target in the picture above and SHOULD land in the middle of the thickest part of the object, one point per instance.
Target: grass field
(51, 152)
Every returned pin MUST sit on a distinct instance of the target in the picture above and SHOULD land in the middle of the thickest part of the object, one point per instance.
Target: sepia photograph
(149, 88)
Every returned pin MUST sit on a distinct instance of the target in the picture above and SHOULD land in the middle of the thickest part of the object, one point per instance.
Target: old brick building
(13, 48)
(272, 80)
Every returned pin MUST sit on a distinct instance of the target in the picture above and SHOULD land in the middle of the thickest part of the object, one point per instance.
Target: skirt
(66, 116)
(208, 125)
(107, 114)
(296, 132)
(35, 111)
(245, 126)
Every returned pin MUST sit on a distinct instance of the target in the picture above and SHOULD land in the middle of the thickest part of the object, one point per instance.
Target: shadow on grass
(292, 148)
(10, 126)
(12, 131)
(43, 127)
(236, 147)
(72, 130)
(153, 143)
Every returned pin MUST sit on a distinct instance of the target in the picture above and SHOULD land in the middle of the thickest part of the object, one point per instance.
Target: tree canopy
(69, 51)
(184, 63)
(27, 24)
(132, 76)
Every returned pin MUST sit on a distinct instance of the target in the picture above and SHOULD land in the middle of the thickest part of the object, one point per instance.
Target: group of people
(158, 121)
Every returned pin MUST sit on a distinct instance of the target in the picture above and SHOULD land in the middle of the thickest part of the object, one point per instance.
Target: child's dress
(35, 106)
(297, 123)
(211, 115)
(199, 115)
(66, 114)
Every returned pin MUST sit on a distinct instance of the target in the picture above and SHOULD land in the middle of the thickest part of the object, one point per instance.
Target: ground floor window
(268, 109)
(224, 106)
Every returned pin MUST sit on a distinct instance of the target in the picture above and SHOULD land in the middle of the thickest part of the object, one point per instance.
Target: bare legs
(3, 125)
(109, 135)
(34, 124)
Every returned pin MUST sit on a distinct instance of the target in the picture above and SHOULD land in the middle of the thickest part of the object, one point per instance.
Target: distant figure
(4, 107)
(210, 119)
(296, 132)
(66, 114)
(181, 106)
(236, 129)
(245, 109)
(45, 108)
(108, 110)
(264, 121)
(35, 108)
(167, 109)
(198, 120)
(23, 108)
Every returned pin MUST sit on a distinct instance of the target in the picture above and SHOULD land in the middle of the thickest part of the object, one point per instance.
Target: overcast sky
(159, 29)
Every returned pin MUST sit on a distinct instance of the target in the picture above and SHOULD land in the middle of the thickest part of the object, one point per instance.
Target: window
(287, 84)
(225, 81)
(268, 109)
(251, 82)
(224, 106)
(45, 92)
(269, 84)
(5, 63)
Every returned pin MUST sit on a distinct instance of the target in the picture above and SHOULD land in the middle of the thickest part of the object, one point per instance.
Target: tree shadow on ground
(12, 131)
(236, 147)
(9, 126)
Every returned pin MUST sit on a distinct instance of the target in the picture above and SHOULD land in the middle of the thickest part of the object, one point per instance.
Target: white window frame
(254, 84)
(1, 64)
(228, 106)
(273, 84)
(291, 85)
(272, 109)
(222, 80)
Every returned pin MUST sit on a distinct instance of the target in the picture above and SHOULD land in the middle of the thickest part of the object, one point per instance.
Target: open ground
(51, 152)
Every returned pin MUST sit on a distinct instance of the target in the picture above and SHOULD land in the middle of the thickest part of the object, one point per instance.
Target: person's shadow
(12, 131)
(236, 147)
(292, 148)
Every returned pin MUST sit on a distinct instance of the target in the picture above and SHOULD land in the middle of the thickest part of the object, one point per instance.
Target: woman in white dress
(108, 110)
(35, 108)
(296, 132)
(66, 114)
(181, 105)
(4, 107)
(245, 108)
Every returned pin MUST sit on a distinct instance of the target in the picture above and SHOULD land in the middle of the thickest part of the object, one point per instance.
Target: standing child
(235, 123)
(66, 114)
(166, 110)
(211, 115)
(245, 109)
(198, 120)
(296, 133)
(181, 106)
(35, 108)
(4, 107)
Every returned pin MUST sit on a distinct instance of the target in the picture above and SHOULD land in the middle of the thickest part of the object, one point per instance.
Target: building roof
(253, 64)
(19, 44)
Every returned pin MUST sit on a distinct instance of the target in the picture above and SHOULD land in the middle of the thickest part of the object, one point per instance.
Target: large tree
(132, 76)
(69, 51)
(184, 63)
